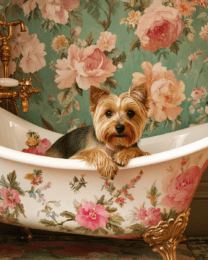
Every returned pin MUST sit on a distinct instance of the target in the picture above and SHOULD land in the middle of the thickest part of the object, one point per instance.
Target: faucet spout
(22, 25)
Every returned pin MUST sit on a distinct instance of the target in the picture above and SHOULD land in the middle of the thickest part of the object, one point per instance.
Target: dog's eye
(108, 113)
(130, 113)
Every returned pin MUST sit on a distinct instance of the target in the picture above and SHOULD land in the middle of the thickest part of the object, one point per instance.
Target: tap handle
(26, 82)
(8, 82)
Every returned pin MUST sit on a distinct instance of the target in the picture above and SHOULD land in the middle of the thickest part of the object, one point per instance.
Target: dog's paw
(121, 159)
(109, 171)
(146, 153)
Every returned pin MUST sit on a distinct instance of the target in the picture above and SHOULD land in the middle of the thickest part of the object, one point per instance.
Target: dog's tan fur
(118, 124)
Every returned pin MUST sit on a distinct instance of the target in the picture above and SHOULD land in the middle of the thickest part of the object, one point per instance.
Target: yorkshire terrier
(112, 141)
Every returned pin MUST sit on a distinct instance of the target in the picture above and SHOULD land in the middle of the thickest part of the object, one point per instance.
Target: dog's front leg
(100, 159)
(123, 157)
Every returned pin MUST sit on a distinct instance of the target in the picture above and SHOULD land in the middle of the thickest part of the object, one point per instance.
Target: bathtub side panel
(81, 202)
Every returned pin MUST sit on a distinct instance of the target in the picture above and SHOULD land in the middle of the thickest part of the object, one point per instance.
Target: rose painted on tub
(165, 92)
(36, 145)
(159, 27)
(43, 145)
(32, 150)
(2, 209)
(92, 216)
(150, 217)
(180, 188)
(87, 66)
(10, 197)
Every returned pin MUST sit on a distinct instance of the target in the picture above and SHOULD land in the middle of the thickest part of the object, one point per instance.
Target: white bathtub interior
(13, 131)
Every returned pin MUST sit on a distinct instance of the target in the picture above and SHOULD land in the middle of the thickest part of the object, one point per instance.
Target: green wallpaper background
(111, 44)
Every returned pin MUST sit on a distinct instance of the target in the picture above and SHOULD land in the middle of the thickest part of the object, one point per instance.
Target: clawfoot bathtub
(150, 197)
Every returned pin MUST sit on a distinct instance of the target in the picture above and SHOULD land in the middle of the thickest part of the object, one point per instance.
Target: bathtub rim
(26, 158)
(72, 164)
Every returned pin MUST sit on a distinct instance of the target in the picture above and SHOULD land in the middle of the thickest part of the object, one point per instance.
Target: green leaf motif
(89, 39)
(101, 200)
(20, 208)
(67, 214)
(93, 8)
(171, 214)
(175, 46)
(118, 231)
(111, 82)
(3, 182)
(116, 219)
(137, 228)
(111, 209)
(47, 223)
(119, 59)
(135, 44)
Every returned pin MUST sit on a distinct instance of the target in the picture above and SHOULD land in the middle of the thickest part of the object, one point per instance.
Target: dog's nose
(120, 128)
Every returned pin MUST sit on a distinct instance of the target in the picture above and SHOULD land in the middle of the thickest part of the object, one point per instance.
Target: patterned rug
(198, 247)
(75, 247)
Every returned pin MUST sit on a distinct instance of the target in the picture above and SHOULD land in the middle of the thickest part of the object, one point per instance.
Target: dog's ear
(95, 95)
(140, 94)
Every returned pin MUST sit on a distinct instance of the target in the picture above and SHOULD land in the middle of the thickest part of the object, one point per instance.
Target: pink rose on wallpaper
(33, 56)
(92, 216)
(43, 146)
(150, 217)
(159, 27)
(31, 49)
(58, 11)
(165, 93)
(87, 67)
(10, 197)
(197, 93)
(180, 188)
(15, 50)
(21, 38)
(107, 41)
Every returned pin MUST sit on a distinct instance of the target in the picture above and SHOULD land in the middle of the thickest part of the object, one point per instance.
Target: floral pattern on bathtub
(10, 199)
(106, 214)
(36, 145)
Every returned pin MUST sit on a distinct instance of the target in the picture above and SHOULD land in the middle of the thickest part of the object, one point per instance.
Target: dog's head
(119, 121)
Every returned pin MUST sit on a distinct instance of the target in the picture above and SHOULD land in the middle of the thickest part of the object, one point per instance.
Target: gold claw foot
(26, 234)
(165, 237)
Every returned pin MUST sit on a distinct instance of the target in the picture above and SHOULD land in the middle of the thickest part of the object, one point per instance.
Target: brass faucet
(25, 91)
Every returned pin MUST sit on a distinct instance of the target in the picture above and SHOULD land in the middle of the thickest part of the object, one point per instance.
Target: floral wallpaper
(70, 45)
